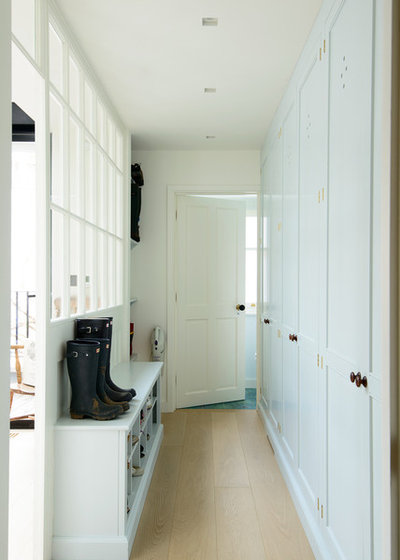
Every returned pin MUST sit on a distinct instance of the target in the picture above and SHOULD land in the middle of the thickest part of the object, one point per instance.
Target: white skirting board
(310, 526)
(112, 548)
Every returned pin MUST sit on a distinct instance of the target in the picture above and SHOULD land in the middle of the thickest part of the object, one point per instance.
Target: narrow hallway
(217, 493)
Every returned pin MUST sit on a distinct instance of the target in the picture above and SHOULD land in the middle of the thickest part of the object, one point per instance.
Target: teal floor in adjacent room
(249, 403)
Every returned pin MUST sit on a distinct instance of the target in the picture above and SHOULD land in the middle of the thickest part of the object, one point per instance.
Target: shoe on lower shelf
(137, 471)
(149, 403)
(135, 439)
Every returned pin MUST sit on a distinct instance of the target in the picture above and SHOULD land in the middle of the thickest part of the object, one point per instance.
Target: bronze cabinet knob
(294, 337)
(290, 337)
(364, 381)
(266, 321)
(361, 380)
(352, 376)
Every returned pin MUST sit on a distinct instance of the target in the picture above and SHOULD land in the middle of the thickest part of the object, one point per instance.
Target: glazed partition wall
(321, 374)
(86, 151)
(83, 217)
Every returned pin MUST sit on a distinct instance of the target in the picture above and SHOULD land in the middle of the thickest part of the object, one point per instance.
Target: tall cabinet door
(275, 290)
(346, 331)
(275, 189)
(312, 176)
(289, 283)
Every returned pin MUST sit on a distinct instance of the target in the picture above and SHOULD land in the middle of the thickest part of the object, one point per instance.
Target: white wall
(205, 169)
(5, 243)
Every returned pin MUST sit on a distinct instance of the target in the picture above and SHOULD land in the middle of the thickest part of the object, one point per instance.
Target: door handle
(361, 380)
(240, 307)
(358, 379)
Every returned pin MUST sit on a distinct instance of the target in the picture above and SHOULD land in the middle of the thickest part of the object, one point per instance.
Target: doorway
(215, 265)
(27, 325)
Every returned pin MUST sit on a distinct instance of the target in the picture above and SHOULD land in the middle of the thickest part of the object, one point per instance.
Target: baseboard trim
(307, 519)
(95, 548)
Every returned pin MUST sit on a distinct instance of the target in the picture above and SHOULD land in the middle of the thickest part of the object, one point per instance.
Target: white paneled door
(347, 336)
(210, 283)
(312, 178)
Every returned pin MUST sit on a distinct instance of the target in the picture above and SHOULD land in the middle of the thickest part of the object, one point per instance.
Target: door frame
(5, 248)
(173, 191)
(394, 297)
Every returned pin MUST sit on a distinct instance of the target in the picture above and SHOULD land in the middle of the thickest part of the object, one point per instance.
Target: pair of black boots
(94, 394)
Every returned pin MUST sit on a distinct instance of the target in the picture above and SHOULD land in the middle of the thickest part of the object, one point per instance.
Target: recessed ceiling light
(210, 137)
(210, 90)
(209, 21)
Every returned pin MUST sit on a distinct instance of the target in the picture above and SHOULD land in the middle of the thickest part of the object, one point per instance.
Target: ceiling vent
(209, 21)
(210, 90)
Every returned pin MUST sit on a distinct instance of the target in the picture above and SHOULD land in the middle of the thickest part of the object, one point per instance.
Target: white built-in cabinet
(318, 284)
(97, 500)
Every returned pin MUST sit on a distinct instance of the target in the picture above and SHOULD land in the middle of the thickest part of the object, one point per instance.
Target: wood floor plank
(198, 432)
(259, 456)
(174, 428)
(192, 513)
(229, 463)
(282, 532)
(280, 526)
(194, 532)
(238, 533)
(154, 531)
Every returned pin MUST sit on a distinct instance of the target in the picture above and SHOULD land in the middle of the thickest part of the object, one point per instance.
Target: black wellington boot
(83, 362)
(101, 327)
(104, 393)
(110, 382)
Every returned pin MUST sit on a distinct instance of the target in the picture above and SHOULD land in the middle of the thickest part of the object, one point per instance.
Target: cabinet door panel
(276, 376)
(290, 395)
(347, 491)
(275, 163)
(347, 336)
(313, 131)
(313, 139)
(290, 221)
(350, 181)
(266, 361)
(309, 442)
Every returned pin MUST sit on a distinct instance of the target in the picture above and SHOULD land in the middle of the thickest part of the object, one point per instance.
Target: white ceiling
(155, 59)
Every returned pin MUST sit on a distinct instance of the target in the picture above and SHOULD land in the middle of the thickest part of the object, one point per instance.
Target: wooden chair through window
(19, 387)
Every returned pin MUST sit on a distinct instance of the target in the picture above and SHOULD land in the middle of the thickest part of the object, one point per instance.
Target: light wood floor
(217, 494)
